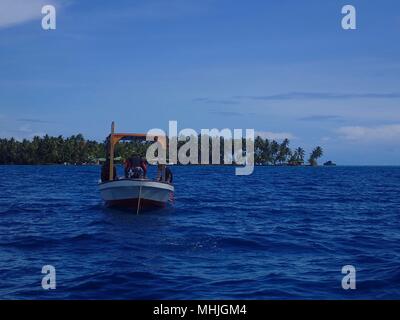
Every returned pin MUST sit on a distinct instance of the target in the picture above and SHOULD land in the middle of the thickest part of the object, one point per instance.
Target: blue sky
(284, 68)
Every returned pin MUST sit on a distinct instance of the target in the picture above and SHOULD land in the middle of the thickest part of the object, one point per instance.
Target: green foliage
(315, 154)
(77, 150)
(50, 150)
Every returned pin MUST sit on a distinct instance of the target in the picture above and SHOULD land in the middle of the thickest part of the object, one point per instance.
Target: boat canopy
(114, 138)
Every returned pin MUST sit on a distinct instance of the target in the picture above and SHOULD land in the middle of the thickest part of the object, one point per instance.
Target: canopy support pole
(111, 142)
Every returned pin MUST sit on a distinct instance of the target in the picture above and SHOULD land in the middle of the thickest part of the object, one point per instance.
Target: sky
(284, 68)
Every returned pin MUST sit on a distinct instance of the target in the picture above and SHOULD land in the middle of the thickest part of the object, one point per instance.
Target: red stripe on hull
(133, 203)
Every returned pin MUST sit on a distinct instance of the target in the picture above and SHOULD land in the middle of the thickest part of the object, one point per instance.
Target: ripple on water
(279, 233)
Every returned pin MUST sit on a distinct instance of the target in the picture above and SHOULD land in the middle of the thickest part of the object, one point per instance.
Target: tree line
(50, 150)
(77, 150)
(271, 152)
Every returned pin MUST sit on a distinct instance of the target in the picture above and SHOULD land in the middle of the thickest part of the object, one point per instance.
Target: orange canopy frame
(114, 138)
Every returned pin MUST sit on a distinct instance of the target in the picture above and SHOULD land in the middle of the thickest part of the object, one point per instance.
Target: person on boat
(143, 165)
(135, 171)
(105, 171)
(135, 161)
(164, 174)
(168, 175)
(160, 170)
(127, 167)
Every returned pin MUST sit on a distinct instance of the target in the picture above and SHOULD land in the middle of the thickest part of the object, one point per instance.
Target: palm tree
(76, 149)
(315, 154)
(296, 157)
(300, 155)
(274, 149)
(267, 154)
(259, 147)
(283, 151)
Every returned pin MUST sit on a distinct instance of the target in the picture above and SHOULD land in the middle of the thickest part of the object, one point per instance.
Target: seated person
(143, 165)
(127, 166)
(135, 170)
(136, 173)
(135, 161)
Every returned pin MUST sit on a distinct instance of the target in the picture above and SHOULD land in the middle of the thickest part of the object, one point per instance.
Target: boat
(137, 194)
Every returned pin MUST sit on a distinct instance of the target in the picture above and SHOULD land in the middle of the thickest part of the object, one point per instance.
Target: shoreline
(206, 165)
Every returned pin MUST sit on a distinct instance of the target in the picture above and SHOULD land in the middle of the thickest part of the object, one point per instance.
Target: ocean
(280, 233)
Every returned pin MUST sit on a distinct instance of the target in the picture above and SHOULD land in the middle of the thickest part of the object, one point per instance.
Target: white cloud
(274, 135)
(14, 12)
(382, 133)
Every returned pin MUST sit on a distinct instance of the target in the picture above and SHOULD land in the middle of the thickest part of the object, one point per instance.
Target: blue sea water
(281, 233)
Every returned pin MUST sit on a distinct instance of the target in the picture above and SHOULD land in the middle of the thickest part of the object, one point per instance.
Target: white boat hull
(133, 192)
